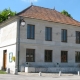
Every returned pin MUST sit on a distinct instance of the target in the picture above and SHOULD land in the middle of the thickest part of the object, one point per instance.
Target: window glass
(48, 34)
(77, 56)
(30, 55)
(48, 55)
(64, 35)
(64, 56)
(78, 37)
(30, 31)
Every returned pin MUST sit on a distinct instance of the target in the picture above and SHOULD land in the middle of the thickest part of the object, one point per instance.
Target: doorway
(4, 59)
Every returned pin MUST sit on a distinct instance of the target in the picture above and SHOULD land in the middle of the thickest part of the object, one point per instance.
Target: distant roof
(47, 14)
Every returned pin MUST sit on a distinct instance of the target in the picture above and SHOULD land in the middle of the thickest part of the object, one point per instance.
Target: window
(48, 34)
(77, 37)
(64, 56)
(77, 57)
(48, 55)
(30, 55)
(30, 31)
(64, 35)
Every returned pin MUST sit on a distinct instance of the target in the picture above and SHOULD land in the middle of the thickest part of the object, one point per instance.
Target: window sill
(64, 42)
(30, 38)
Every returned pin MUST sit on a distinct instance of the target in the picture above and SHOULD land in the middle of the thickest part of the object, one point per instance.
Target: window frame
(47, 55)
(63, 33)
(48, 29)
(66, 56)
(31, 32)
(29, 54)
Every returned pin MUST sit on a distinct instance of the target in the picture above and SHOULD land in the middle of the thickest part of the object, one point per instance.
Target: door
(4, 59)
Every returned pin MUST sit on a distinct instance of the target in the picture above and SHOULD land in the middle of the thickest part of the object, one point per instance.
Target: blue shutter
(32, 32)
(65, 35)
(28, 31)
(46, 33)
(62, 35)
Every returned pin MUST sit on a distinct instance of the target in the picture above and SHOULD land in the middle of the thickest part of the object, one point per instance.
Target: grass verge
(2, 72)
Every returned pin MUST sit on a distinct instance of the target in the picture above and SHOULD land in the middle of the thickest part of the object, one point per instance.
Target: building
(40, 39)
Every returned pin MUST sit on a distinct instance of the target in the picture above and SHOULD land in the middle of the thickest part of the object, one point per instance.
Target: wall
(8, 37)
(10, 49)
(8, 34)
(52, 69)
(39, 44)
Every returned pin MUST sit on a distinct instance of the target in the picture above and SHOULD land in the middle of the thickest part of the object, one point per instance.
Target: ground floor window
(64, 56)
(77, 56)
(30, 55)
(48, 55)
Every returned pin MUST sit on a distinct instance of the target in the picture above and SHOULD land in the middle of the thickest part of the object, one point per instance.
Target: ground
(35, 76)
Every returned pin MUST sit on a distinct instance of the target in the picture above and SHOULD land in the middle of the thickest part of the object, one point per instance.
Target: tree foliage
(66, 13)
(5, 14)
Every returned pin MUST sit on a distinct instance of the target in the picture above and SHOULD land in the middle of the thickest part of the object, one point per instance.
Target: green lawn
(2, 72)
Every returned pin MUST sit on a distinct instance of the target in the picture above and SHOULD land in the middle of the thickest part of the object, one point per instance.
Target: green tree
(66, 13)
(5, 14)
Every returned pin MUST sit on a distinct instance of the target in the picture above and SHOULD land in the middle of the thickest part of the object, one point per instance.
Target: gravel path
(35, 76)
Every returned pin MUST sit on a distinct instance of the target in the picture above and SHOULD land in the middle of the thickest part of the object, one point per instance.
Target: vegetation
(2, 72)
(66, 13)
(5, 14)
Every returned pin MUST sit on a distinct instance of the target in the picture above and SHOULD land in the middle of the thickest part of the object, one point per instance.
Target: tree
(66, 13)
(0, 18)
(5, 13)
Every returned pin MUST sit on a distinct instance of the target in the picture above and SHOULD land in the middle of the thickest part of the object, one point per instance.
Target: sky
(71, 6)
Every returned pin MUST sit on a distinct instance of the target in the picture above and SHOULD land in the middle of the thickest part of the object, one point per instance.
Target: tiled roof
(41, 13)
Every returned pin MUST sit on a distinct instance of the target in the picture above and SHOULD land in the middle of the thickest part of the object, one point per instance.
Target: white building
(48, 41)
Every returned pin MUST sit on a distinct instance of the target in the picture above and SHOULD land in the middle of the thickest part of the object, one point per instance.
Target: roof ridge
(43, 7)
(31, 6)
(24, 10)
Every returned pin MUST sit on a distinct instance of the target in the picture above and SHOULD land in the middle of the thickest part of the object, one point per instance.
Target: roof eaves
(13, 17)
(52, 21)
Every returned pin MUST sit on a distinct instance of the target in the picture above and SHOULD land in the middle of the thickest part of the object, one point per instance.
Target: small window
(48, 34)
(30, 31)
(64, 56)
(64, 35)
(48, 55)
(78, 37)
(77, 56)
(30, 55)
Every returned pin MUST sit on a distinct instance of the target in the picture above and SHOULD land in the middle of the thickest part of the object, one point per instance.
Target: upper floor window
(48, 55)
(77, 56)
(64, 35)
(30, 31)
(64, 56)
(30, 55)
(48, 34)
(77, 37)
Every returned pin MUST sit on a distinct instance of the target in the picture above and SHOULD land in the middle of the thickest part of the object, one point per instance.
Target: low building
(40, 39)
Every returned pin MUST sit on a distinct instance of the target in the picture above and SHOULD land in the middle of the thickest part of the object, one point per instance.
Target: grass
(2, 72)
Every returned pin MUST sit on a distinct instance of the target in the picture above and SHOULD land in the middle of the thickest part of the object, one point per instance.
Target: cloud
(29, 1)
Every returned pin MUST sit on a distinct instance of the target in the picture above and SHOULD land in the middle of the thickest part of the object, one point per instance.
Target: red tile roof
(52, 15)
